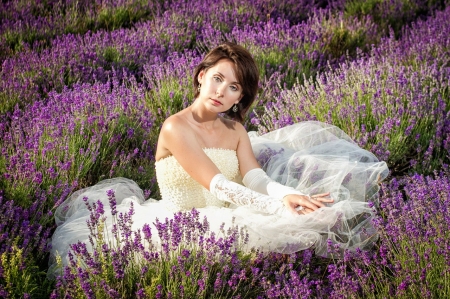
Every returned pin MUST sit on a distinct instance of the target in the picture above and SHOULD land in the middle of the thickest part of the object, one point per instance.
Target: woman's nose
(219, 92)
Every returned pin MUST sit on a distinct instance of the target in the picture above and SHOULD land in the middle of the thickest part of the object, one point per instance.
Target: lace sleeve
(232, 192)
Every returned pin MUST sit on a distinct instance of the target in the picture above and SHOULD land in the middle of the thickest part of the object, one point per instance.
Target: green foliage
(182, 34)
(290, 66)
(115, 59)
(343, 41)
(176, 271)
(78, 19)
(111, 55)
(344, 35)
(71, 17)
(419, 269)
(108, 144)
(375, 10)
(168, 100)
(170, 88)
(358, 7)
(118, 155)
(22, 276)
(112, 18)
(376, 111)
(286, 62)
(111, 153)
(13, 41)
(392, 14)
(8, 102)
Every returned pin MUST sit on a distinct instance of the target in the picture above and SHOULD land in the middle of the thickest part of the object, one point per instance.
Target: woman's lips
(216, 102)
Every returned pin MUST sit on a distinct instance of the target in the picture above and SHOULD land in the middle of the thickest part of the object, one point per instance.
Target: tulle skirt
(312, 157)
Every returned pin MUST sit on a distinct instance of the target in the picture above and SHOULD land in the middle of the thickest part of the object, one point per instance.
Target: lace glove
(257, 180)
(229, 191)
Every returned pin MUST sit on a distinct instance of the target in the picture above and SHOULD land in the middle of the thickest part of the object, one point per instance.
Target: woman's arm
(256, 179)
(181, 142)
(177, 138)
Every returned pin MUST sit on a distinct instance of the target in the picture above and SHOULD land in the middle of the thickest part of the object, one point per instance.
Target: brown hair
(245, 69)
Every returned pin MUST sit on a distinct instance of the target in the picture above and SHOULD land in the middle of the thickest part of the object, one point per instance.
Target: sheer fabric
(311, 157)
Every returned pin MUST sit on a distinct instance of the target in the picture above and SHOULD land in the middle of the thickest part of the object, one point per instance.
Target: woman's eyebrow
(235, 82)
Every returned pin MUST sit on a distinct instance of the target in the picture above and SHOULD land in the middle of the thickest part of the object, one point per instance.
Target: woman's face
(219, 86)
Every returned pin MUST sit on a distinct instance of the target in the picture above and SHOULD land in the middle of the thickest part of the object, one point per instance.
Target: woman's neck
(202, 117)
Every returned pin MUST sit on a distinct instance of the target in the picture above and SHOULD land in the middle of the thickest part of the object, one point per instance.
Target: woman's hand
(304, 204)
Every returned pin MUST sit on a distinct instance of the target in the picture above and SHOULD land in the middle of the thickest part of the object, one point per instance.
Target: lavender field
(86, 85)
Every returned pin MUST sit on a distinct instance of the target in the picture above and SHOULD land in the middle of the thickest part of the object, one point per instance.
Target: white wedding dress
(312, 157)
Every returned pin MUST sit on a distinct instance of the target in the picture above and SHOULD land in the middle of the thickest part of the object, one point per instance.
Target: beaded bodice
(179, 191)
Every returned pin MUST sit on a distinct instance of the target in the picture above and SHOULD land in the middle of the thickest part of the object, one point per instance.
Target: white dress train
(312, 157)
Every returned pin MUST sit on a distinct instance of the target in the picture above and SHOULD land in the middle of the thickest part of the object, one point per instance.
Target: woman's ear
(200, 76)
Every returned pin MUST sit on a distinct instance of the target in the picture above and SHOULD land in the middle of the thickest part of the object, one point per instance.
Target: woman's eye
(234, 88)
(217, 79)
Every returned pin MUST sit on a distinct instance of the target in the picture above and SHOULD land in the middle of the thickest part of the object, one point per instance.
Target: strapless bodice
(180, 191)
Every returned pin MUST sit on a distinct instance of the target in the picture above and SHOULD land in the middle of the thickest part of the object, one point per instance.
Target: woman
(203, 157)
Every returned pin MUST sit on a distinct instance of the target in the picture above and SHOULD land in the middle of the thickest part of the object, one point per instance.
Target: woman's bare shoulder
(172, 121)
(174, 124)
(174, 130)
